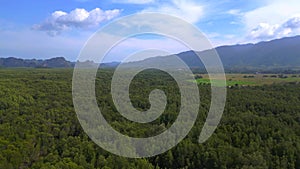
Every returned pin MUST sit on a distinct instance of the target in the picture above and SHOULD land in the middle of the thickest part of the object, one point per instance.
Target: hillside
(279, 53)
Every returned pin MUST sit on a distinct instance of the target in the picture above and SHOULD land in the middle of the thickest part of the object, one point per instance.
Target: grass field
(252, 79)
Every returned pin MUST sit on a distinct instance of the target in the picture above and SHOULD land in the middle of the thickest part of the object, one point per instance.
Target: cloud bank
(273, 12)
(78, 18)
(267, 31)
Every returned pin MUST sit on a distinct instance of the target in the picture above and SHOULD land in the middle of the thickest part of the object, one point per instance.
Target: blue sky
(50, 28)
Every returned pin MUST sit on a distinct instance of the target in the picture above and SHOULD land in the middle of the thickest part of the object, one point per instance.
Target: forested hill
(277, 53)
(281, 52)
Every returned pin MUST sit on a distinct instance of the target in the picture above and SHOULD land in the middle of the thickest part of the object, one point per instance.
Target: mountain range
(58, 62)
(279, 53)
(276, 54)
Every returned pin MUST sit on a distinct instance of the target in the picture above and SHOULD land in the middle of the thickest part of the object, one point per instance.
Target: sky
(54, 28)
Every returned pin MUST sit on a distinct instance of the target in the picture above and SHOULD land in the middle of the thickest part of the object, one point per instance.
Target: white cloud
(78, 18)
(275, 19)
(267, 31)
(133, 1)
(188, 10)
(264, 31)
(234, 12)
(274, 12)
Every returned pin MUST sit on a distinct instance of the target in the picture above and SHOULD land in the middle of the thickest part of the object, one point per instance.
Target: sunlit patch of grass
(218, 82)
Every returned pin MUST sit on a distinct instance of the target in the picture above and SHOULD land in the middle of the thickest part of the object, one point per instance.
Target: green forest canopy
(260, 127)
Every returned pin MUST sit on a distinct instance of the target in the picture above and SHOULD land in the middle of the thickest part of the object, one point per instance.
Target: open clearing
(253, 79)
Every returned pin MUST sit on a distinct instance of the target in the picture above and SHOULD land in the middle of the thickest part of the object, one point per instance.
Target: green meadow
(250, 79)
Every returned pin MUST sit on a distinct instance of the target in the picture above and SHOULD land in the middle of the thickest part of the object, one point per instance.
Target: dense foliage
(260, 127)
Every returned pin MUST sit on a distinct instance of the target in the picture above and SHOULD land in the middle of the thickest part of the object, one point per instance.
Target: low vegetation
(252, 79)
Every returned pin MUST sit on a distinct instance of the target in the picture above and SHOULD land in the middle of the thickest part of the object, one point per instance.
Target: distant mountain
(58, 62)
(279, 53)
(109, 65)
